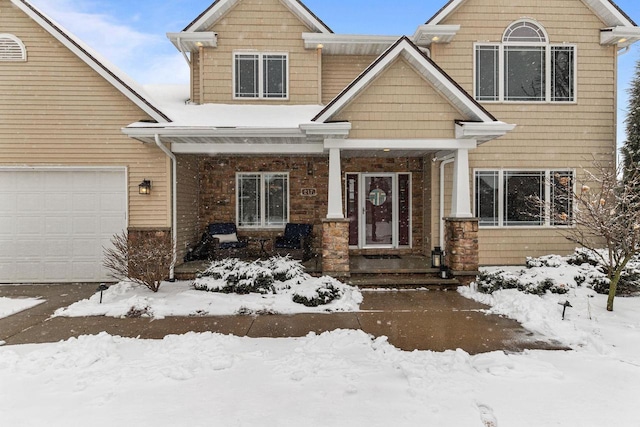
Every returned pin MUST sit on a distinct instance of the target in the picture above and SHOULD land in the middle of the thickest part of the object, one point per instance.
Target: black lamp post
(102, 288)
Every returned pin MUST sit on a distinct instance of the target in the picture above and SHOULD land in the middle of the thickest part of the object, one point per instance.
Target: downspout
(441, 229)
(174, 204)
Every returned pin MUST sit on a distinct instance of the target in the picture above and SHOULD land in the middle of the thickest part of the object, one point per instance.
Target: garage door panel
(56, 248)
(29, 202)
(7, 249)
(57, 226)
(54, 223)
(84, 225)
(7, 225)
(29, 225)
(85, 202)
(58, 202)
(81, 248)
(27, 181)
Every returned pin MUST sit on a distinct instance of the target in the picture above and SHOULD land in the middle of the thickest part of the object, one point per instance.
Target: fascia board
(606, 10)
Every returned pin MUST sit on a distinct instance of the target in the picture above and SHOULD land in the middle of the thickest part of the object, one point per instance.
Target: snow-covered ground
(9, 306)
(339, 378)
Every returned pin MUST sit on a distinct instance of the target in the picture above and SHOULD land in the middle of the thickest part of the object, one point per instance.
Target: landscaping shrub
(145, 261)
(321, 295)
(273, 276)
(582, 268)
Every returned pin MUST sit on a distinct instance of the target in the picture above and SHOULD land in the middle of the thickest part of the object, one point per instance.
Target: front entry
(378, 207)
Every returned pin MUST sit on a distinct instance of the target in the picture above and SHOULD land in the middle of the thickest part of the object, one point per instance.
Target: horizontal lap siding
(262, 26)
(55, 110)
(338, 71)
(400, 104)
(548, 135)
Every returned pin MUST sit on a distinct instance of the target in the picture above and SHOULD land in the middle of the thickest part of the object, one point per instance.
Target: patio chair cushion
(227, 235)
(226, 238)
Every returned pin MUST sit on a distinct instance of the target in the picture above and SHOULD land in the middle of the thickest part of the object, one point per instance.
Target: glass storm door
(379, 211)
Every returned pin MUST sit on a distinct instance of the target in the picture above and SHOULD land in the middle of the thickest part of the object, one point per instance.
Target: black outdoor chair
(221, 240)
(297, 241)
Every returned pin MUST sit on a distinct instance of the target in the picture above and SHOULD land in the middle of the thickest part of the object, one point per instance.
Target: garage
(54, 222)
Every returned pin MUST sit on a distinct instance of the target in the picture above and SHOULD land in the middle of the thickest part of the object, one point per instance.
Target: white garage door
(55, 222)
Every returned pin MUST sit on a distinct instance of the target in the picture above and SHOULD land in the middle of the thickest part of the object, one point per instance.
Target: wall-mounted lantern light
(145, 187)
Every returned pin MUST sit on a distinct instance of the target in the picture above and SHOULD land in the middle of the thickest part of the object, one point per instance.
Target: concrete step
(402, 281)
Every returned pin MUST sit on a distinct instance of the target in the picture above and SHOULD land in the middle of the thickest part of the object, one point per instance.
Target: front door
(379, 211)
(378, 206)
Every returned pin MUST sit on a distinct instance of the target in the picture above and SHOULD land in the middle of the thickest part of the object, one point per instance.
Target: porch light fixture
(622, 40)
(145, 187)
(437, 257)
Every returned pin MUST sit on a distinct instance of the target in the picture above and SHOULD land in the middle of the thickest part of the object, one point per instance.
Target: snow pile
(9, 306)
(126, 299)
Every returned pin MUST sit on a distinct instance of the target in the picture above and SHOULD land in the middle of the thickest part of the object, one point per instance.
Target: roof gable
(115, 77)
(220, 7)
(606, 10)
(444, 84)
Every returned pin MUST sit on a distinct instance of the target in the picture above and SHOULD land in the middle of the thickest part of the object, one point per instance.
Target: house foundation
(335, 248)
(461, 248)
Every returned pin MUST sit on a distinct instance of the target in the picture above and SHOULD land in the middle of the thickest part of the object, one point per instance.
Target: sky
(132, 34)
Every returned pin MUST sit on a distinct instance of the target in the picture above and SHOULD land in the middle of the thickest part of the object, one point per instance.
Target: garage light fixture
(145, 187)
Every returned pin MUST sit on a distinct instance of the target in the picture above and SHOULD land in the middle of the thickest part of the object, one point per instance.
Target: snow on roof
(174, 101)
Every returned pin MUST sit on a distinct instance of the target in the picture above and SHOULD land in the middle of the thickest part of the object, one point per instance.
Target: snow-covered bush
(233, 276)
(557, 274)
(491, 282)
(277, 275)
(327, 290)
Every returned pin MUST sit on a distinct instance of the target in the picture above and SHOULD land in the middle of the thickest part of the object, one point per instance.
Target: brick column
(335, 247)
(461, 248)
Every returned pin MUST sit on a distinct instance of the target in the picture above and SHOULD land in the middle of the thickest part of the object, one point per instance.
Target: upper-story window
(12, 48)
(260, 75)
(525, 67)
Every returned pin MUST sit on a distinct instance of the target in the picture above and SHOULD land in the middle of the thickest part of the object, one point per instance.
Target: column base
(335, 248)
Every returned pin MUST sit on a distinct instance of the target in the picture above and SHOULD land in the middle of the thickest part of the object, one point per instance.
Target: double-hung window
(262, 199)
(525, 67)
(505, 198)
(260, 75)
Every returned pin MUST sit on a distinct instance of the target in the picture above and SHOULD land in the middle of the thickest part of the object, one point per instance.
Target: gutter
(174, 204)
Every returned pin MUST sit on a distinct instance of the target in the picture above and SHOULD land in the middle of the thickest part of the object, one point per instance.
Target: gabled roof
(109, 72)
(606, 10)
(220, 7)
(444, 84)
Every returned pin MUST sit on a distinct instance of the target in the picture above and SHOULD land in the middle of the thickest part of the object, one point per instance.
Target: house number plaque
(309, 192)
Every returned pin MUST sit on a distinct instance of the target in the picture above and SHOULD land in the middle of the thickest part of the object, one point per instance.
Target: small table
(262, 240)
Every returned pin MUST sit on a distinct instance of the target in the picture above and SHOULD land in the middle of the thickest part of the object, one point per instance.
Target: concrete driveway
(412, 320)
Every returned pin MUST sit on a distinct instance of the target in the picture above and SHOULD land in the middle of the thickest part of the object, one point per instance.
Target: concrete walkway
(412, 320)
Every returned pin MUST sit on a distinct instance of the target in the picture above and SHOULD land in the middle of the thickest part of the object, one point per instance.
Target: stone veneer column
(335, 248)
(461, 248)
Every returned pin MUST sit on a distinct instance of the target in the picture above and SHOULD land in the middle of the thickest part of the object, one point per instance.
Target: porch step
(402, 281)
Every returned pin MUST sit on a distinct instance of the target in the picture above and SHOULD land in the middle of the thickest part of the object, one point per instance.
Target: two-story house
(386, 145)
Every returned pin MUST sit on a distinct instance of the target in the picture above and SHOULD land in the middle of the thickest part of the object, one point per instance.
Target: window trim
(23, 49)
(261, 89)
(548, 96)
(547, 224)
(263, 199)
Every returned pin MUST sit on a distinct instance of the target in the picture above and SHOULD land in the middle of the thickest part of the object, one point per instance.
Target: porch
(367, 271)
